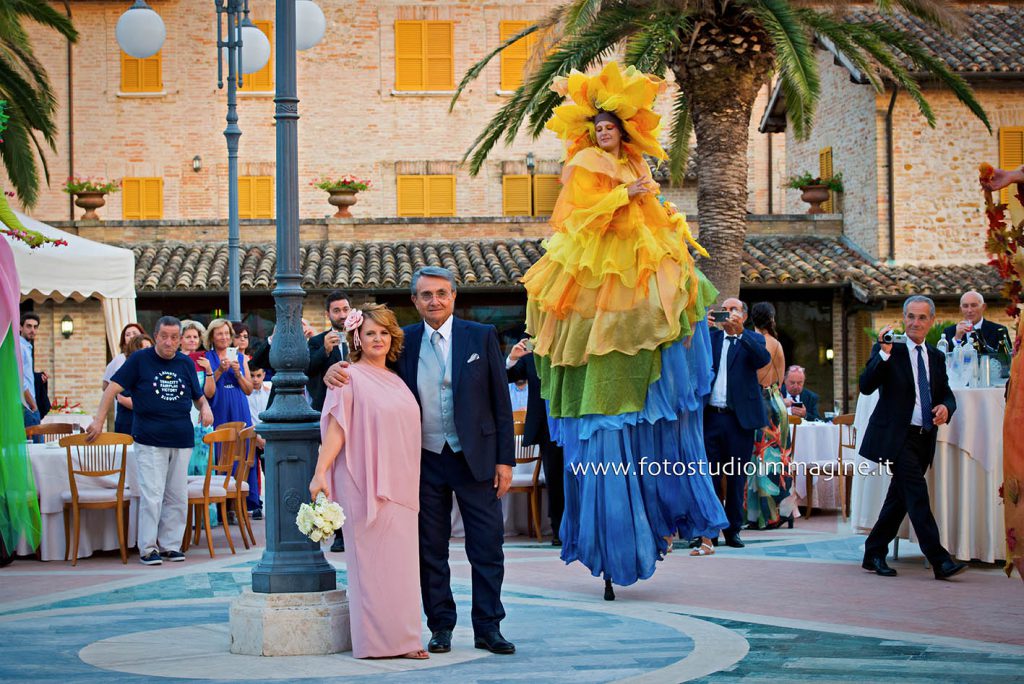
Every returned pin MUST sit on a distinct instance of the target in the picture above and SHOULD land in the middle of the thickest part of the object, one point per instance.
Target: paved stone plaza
(793, 606)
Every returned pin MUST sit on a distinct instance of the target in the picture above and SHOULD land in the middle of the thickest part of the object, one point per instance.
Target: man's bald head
(972, 306)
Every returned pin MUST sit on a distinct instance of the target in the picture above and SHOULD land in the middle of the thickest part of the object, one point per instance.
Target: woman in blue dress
(227, 387)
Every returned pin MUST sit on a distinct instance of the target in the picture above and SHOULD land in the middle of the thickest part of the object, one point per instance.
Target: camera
(892, 338)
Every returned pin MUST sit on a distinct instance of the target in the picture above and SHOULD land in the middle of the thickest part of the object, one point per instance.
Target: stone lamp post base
(309, 623)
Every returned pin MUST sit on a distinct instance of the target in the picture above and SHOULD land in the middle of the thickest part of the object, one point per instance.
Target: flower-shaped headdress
(629, 94)
(353, 322)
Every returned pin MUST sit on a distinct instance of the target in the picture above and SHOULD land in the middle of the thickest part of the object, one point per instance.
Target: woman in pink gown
(370, 463)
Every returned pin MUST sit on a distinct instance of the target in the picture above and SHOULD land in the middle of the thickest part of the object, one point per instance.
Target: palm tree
(721, 52)
(31, 102)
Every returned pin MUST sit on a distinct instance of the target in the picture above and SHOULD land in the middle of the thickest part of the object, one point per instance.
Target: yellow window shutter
(1011, 156)
(141, 75)
(263, 80)
(545, 193)
(515, 56)
(152, 198)
(263, 197)
(245, 209)
(412, 196)
(515, 195)
(440, 195)
(825, 172)
(131, 79)
(439, 56)
(409, 48)
(131, 198)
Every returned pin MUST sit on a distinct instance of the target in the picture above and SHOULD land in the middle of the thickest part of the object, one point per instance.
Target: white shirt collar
(911, 344)
(445, 329)
(981, 322)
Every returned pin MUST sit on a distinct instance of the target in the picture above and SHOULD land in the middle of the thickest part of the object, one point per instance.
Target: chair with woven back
(212, 488)
(51, 432)
(526, 479)
(838, 468)
(103, 460)
(238, 487)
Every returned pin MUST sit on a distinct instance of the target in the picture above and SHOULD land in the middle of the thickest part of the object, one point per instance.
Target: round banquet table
(80, 419)
(817, 443)
(963, 482)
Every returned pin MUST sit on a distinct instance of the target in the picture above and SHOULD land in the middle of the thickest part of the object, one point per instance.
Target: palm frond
(679, 138)
(838, 32)
(580, 14)
(42, 13)
(649, 49)
(938, 13)
(36, 108)
(534, 99)
(795, 58)
(478, 68)
(19, 160)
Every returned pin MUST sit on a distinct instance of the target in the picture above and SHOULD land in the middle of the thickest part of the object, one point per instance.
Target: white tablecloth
(82, 419)
(98, 528)
(817, 443)
(963, 481)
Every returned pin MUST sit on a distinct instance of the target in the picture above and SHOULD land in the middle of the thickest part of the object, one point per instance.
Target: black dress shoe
(555, 541)
(948, 568)
(440, 641)
(734, 541)
(339, 544)
(494, 642)
(878, 566)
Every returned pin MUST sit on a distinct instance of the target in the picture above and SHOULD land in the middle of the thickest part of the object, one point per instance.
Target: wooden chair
(837, 468)
(519, 416)
(51, 432)
(527, 482)
(238, 487)
(102, 458)
(206, 489)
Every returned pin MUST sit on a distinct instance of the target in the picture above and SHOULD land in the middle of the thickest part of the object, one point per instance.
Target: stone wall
(845, 121)
(352, 119)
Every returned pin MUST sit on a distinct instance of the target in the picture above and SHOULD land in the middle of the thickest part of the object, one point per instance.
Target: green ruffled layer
(614, 383)
(19, 503)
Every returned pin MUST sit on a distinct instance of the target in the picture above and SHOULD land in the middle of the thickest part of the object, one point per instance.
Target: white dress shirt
(915, 418)
(29, 379)
(258, 401)
(446, 335)
(720, 390)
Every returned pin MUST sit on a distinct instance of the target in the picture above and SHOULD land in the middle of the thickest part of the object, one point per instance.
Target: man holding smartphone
(735, 408)
(800, 401)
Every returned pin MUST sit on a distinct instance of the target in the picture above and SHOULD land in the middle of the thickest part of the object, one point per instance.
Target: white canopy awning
(80, 270)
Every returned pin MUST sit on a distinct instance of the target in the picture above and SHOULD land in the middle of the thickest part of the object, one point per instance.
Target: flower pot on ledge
(342, 199)
(90, 201)
(815, 195)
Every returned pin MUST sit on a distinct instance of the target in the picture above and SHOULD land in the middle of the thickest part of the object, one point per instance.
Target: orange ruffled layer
(617, 275)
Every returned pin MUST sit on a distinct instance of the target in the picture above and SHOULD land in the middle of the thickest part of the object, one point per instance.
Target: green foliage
(835, 183)
(75, 185)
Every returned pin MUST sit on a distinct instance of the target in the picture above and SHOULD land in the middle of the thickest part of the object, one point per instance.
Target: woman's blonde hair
(212, 328)
(381, 315)
(189, 324)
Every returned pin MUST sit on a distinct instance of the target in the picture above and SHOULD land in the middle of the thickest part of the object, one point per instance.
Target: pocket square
(472, 358)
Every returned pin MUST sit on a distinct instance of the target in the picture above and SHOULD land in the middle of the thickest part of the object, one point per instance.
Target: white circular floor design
(201, 651)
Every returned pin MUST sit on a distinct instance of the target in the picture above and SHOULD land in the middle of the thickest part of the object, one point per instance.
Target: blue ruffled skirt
(635, 478)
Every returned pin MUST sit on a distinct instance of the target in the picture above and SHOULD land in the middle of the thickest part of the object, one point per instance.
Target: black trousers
(441, 476)
(553, 461)
(729, 446)
(908, 494)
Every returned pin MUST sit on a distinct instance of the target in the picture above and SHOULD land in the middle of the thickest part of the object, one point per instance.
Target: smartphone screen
(720, 316)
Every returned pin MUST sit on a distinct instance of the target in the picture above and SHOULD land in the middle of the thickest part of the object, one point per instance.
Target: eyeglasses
(440, 295)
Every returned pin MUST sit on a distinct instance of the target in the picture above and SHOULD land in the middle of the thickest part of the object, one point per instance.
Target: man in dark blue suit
(735, 408)
(914, 398)
(800, 401)
(457, 373)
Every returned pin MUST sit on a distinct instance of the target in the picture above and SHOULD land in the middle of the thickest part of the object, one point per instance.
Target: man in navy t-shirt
(164, 387)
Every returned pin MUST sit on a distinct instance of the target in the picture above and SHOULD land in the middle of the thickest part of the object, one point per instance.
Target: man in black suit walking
(735, 409)
(325, 349)
(456, 371)
(974, 324)
(521, 366)
(914, 399)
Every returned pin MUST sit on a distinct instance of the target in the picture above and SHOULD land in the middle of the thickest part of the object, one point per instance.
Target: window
(825, 172)
(255, 197)
(1011, 156)
(141, 75)
(142, 198)
(520, 199)
(424, 55)
(426, 195)
(263, 80)
(515, 56)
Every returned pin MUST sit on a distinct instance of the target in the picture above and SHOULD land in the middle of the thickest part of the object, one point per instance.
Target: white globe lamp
(140, 31)
(310, 24)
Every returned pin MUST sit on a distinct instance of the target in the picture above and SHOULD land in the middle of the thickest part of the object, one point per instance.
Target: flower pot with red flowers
(89, 194)
(816, 191)
(342, 192)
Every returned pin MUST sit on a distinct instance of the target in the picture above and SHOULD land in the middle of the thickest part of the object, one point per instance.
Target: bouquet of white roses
(320, 520)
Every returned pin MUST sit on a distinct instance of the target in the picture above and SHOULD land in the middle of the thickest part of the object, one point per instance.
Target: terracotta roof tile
(769, 261)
